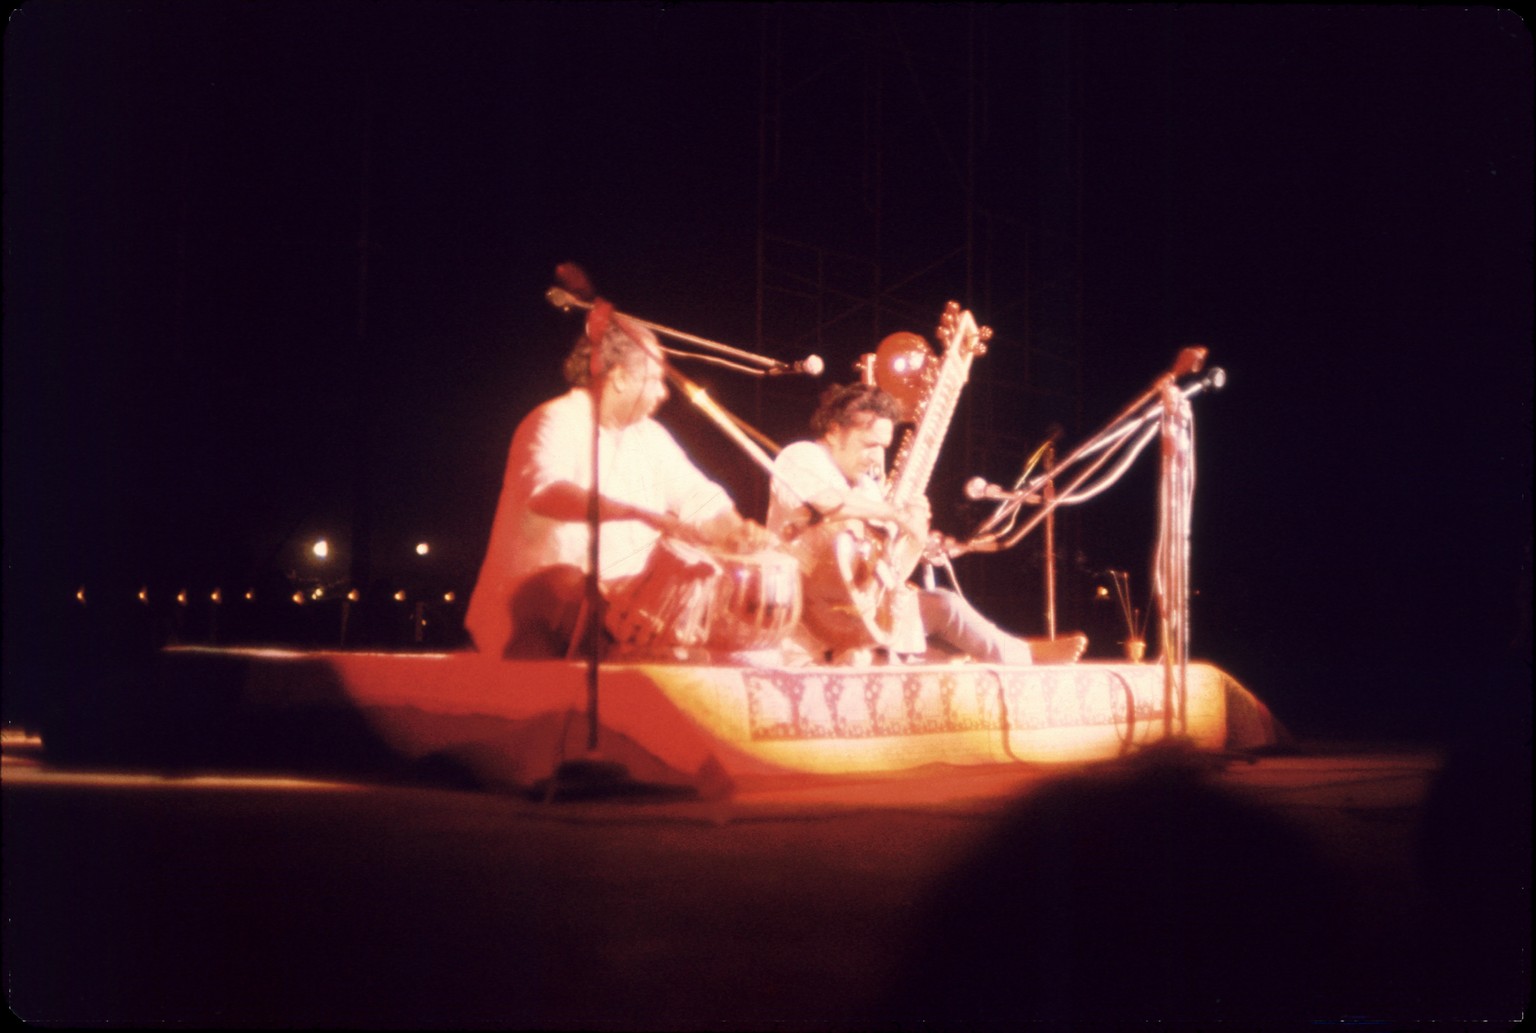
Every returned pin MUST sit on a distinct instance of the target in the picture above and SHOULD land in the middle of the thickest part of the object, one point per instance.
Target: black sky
(1336, 201)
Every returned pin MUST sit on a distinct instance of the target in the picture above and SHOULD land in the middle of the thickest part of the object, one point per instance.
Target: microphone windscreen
(574, 279)
(1190, 360)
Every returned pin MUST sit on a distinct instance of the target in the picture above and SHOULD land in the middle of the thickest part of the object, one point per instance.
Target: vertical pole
(1175, 491)
(1050, 544)
(363, 376)
(596, 329)
(1185, 460)
(1167, 622)
(764, 170)
(594, 592)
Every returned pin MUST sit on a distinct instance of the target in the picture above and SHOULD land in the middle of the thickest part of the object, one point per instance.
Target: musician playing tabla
(532, 581)
(840, 476)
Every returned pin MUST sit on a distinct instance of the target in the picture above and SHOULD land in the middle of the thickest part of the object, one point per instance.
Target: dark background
(274, 271)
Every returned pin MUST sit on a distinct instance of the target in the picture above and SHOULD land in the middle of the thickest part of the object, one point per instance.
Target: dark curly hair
(840, 404)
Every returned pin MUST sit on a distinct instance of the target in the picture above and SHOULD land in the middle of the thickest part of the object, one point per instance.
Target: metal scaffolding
(914, 154)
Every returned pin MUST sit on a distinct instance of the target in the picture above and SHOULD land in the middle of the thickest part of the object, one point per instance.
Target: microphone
(563, 299)
(811, 365)
(574, 279)
(978, 488)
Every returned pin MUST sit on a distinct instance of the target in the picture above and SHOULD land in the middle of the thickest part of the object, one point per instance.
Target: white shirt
(804, 472)
(640, 464)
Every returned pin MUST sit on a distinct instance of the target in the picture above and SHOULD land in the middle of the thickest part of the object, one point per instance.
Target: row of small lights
(321, 549)
(217, 596)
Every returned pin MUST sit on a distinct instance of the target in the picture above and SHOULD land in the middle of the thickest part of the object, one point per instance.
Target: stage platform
(509, 725)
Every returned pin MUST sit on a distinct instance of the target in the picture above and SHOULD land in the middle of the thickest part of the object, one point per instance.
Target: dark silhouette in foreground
(1125, 896)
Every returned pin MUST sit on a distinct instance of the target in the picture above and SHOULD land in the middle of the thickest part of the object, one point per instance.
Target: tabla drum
(755, 600)
(689, 600)
(668, 605)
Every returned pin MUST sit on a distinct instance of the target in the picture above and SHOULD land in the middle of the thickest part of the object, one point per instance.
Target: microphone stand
(1164, 400)
(565, 301)
(1172, 555)
(590, 776)
(592, 771)
(1050, 545)
(1189, 360)
(597, 773)
(1117, 431)
(761, 366)
(593, 776)
(594, 626)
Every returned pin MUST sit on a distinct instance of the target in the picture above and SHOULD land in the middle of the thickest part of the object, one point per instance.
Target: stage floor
(703, 728)
(1177, 886)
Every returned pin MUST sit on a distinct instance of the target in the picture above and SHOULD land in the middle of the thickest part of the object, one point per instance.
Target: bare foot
(1066, 649)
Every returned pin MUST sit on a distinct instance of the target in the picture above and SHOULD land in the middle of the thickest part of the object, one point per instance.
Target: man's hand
(670, 526)
(719, 528)
(714, 529)
(915, 518)
(730, 532)
(939, 548)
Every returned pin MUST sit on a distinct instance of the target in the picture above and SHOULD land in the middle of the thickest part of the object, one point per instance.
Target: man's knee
(545, 609)
(942, 611)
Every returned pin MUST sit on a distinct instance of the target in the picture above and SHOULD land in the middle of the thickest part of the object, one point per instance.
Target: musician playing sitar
(837, 480)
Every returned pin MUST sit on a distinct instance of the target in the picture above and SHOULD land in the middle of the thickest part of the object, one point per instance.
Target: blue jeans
(953, 623)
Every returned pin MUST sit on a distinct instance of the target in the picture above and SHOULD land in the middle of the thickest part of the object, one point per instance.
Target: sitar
(854, 572)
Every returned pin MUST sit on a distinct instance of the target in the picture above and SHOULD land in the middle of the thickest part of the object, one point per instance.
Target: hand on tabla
(729, 531)
(749, 536)
(671, 527)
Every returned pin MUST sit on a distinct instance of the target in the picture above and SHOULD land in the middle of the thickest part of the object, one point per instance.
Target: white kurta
(804, 472)
(640, 464)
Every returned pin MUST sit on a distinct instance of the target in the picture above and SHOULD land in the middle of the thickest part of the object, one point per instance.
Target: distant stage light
(354, 595)
(80, 595)
(181, 597)
(1102, 591)
(298, 597)
(250, 595)
(318, 593)
(448, 597)
(321, 549)
(217, 596)
(400, 596)
(422, 548)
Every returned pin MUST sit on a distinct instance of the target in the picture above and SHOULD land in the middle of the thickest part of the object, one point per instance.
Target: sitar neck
(919, 450)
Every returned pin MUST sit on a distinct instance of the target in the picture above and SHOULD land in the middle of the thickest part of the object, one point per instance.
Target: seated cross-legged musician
(836, 480)
(529, 593)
